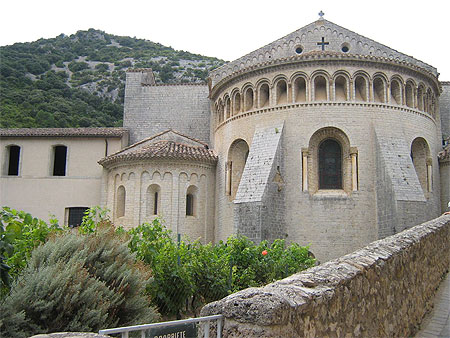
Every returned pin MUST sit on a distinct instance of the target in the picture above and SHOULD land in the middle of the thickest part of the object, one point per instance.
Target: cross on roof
(321, 14)
(323, 43)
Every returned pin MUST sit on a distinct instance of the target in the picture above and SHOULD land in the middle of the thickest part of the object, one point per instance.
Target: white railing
(144, 327)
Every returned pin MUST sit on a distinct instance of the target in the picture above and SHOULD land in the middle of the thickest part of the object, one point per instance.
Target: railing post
(219, 328)
(206, 330)
(125, 334)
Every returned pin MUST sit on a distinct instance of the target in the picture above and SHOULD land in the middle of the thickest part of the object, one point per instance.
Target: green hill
(78, 80)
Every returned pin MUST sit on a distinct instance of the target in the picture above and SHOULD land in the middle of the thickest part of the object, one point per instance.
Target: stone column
(429, 175)
(228, 176)
(305, 154)
(354, 157)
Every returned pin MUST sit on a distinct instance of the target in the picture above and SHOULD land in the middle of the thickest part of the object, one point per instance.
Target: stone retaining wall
(381, 290)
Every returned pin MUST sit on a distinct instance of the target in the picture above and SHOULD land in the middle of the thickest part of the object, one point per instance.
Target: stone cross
(323, 43)
(321, 14)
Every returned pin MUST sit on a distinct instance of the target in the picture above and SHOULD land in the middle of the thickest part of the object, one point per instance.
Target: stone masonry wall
(381, 290)
(444, 109)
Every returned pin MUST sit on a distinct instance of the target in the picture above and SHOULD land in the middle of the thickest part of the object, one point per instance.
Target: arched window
(264, 95)
(300, 90)
(120, 201)
(13, 153)
(420, 98)
(191, 201)
(281, 92)
(227, 108)
(420, 156)
(237, 104)
(59, 160)
(396, 92)
(320, 89)
(248, 99)
(237, 157)
(409, 94)
(340, 88)
(330, 165)
(153, 200)
(360, 89)
(379, 90)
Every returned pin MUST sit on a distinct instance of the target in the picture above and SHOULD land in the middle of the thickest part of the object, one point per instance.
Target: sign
(177, 331)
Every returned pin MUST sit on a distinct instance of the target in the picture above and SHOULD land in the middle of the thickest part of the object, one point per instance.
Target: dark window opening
(299, 50)
(13, 165)
(155, 204)
(330, 165)
(76, 216)
(59, 164)
(345, 49)
(189, 205)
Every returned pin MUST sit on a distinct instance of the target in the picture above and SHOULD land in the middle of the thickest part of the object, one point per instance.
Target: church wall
(152, 109)
(173, 180)
(37, 191)
(444, 108)
(445, 184)
(348, 219)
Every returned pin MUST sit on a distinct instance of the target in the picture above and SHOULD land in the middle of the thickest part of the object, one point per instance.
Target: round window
(299, 49)
(345, 47)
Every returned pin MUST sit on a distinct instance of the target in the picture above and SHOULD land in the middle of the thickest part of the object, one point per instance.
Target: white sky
(229, 29)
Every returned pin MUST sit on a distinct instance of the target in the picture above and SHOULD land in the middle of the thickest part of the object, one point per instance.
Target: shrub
(77, 282)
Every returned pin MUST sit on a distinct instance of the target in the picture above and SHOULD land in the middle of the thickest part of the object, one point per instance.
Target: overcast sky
(229, 29)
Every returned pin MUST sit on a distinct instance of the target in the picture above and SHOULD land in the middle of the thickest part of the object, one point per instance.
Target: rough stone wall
(381, 290)
(150, 109)
(445, 184)
(259, 203)
(444, 109)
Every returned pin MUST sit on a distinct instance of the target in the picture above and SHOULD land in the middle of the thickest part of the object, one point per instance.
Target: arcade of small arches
(152, 195)
(320, 87)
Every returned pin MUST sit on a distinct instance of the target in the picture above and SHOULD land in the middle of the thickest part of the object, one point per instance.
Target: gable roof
(307, 38)
(169, 144)
(63, 132)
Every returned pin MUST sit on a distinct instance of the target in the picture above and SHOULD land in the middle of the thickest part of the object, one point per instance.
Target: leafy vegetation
(78, 283)
(78, 80)
(184, 275)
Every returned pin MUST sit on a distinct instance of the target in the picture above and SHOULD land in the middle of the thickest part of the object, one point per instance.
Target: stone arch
(281, 90)
(326, 140)
(299, 87)
(341, 82)
(379, 88)
(320, 86)
(236, 102)
(263, 94)
(409, 93)
(227, 101)
(360, 87)
(121, 197)
(420, 96)
(396, 93)
(420, 156)
(429, 100)
(249, 97)
(153, 199)
(191, 200)
(220, 110)
(237, 157)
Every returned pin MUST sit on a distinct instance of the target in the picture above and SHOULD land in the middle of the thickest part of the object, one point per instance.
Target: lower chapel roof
(163, 149)
(63, 132)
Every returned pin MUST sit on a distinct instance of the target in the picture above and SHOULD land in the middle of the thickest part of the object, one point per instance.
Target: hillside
(78, 80)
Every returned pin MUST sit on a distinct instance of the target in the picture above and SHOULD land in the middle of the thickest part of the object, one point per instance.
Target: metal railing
(144, 327)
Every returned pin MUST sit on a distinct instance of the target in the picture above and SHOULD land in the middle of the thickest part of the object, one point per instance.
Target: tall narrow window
(120, 201)
(13, 163)
(330, 165)
(189, 205)
(75, 216)
(191, 201)
(59, 162)
(153, 200)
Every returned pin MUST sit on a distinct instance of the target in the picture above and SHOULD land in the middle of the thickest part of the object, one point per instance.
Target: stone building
(322, 137)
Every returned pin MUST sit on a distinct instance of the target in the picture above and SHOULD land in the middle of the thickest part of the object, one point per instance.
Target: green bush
(77, 282)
